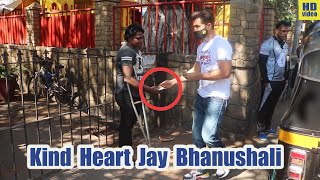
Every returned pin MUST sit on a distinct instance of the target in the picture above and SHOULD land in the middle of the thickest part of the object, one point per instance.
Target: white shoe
(222, 173)
(196, 174)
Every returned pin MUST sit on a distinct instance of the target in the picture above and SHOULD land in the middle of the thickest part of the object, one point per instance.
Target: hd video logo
(309, 10)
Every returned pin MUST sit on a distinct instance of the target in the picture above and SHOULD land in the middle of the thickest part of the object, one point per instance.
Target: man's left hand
(190, 76)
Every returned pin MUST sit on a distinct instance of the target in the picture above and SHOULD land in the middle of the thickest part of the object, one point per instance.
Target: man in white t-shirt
(212, 69)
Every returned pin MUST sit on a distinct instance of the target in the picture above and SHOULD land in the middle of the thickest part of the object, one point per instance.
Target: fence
(13, 28)
(166, 23)
(63, 98)
(74, 28)
(58, 98)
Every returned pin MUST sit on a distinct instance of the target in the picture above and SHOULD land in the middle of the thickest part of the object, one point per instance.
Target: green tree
(288, 10)
(285, 9)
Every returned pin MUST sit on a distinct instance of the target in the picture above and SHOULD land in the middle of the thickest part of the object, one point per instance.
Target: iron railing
(166, 24)
(13, 28)
(75, 105)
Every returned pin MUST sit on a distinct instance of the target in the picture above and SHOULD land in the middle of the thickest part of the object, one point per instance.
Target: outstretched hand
(167, 84)
(190, 76)
(154, 90)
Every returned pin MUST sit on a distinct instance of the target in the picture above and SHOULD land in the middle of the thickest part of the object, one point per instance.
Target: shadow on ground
(182, 136)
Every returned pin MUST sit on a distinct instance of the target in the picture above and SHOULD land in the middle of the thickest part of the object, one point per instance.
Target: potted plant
(11, 74)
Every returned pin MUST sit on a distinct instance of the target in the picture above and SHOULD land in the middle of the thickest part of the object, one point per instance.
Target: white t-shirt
(208, 53)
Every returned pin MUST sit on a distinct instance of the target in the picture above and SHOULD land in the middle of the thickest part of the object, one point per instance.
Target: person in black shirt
(128, 65)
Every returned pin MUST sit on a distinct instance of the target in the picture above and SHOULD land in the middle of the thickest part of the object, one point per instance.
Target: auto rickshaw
(300, 126)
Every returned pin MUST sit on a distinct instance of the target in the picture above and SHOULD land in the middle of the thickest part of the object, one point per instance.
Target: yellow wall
(125, 20)
(125, 12)
(219, 22)
(48, 4)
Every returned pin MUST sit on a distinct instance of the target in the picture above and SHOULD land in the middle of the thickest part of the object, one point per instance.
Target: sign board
(309, 10)
(149, 62)
(144, 63)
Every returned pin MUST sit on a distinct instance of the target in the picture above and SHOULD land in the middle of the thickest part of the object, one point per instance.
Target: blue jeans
(208, 114)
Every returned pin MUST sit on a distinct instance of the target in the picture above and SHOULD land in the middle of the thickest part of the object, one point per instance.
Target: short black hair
(283, 22)
(132, 30)
(204, 15)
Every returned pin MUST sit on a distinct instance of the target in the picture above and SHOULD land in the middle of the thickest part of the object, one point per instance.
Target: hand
(160, 88)
(154, 90)
(268, 87)
(184, 73)
(189, 76)
(167, 83)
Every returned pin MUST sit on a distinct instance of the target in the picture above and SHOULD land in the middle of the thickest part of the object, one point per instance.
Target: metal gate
(13, 28)
(72, 28)
(56, 98)
(166, 24)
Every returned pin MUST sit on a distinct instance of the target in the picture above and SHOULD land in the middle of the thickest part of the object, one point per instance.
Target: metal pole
(73, 98)
(47, 89)
(5, 60)
(79, 84)
(89, 87)
(22, 103)
(297, 30)
(97, 91)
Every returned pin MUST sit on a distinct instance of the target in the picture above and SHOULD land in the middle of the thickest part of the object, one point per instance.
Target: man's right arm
(127, 73)
(169, 83)
(263, 59)
(195, 69)
(126, 59)
(265, 50)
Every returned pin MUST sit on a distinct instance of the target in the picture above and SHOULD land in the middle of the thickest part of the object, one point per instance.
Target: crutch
(145, 132)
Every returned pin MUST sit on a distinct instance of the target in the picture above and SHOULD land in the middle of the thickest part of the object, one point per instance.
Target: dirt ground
(44, 125)
(76, 132)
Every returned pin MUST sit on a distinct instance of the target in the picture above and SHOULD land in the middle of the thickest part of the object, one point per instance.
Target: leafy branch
(285, 9)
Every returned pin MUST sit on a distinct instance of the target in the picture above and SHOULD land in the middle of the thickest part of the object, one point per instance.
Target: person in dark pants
(212, 69)
(272, 63)
(129, 70)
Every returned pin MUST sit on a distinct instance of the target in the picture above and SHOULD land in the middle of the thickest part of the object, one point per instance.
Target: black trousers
(128, 117)
(266, 112)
